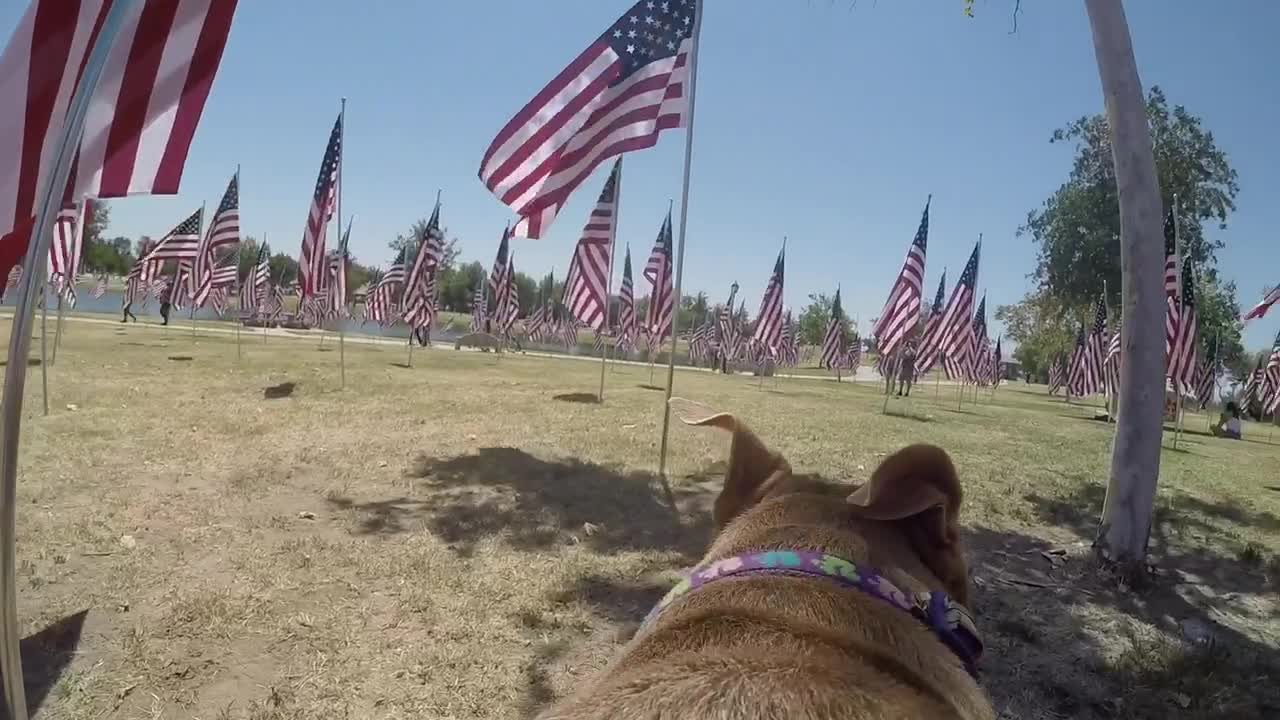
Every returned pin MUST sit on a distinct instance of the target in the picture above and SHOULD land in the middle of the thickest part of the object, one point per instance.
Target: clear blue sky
(821, 120)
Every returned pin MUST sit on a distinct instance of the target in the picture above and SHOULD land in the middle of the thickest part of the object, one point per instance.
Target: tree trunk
(1135, 457)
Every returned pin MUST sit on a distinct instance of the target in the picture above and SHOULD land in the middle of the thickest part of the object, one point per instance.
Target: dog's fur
(776, 646)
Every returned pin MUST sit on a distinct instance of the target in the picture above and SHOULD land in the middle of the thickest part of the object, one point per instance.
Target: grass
(469, 538)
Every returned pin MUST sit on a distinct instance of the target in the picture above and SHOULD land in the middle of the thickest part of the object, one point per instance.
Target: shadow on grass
(585, 398)
(646, 386)
(401, 365)
(275, 392)
(905, 415)
(46, 655)
(535, 504)
(31, 362)
(181, 358)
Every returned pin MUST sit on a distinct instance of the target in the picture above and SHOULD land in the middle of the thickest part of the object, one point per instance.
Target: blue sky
(824, 121)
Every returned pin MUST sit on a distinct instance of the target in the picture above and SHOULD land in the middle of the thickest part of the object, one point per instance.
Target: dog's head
(909, 510)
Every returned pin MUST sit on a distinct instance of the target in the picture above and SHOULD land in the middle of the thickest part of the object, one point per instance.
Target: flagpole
(342, 257)
(44, 345)
(239, 310)
(20, 345)
(608, 293)
(57, 329)
(1176, 383)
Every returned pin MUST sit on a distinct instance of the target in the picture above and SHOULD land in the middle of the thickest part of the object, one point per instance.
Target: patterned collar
(949, 620)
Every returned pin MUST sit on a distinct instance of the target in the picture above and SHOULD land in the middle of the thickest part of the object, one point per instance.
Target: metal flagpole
(684, 218)
(239, 310)
(342, 258)
(1175, 383)
(57, 329)
(20, 344)
(44, 345)
(608, 294)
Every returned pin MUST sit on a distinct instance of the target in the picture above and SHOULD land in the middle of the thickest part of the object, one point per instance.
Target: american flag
(1111, 365)
(975, 358)
(225, 275)
(1270, 384)
(901, 312)
(569, 331)
(790, 355)
(1077, 375)
(479, 313)
(1095, 349)
(142, 116)
(15, 276)
(1170, 282)
(833, 347)
(313, 262)
(1057, 375)
(768, 332)
(339, 266)
(1207, 376)
(223, 232)
(597, 343)
(700, 342)
(181, 243)
(253, 289)
(853, 358)
(658, 271)
(586, 287)
(419, 301)
(1260, 310)
(997, 361)
(727, 327)
(179, 286)
(142, 276)
(382, 302)
(68, 246)
(509, 298)
(497, 276)
(1182, 359)
(100, 288)
(275, 302)
(1254, 384)
(956, 326)
(218, 299)
(927, 353)
(536, 323)
(617, 96)
(626, 304)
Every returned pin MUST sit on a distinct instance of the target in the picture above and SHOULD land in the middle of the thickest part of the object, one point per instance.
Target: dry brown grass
(467, 539)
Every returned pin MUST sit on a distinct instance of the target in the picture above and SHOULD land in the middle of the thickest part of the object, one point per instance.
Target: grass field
(206, 537)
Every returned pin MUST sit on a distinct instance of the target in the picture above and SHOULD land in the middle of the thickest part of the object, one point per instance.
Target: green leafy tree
(284, 269)
(1042, 327)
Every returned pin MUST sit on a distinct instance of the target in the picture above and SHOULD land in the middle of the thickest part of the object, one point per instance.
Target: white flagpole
(342, 259)
(20, 344)
(192, 279)
(44, 338)
(239, 310)
(608, 294)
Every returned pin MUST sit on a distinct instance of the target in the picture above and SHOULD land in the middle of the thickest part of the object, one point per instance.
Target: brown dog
(785, 645)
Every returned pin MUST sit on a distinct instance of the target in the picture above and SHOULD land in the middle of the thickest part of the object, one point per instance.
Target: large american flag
(419, 283)
(617, 96)
(225, 275)
(1207, 376)
(833, 346)
(956, 326)
(1170, 282)
(768, 332)
(536, 324)
(1182, 357)
(727, 327)
(1078, 380)
(68, 246)
(586, 287)
(479, 313)
(254, 288)
(1111, 365)
(141, 277)
(1057, 375)
(143, 114)
(1260, 310)
(997, 361)
(790, 352)
(223, 232)
(181, 243)
(100, 288)
(313, 261)
(626, 305)
(901, 312)
(1255, 383)
(658, 271)
(1270, 384)
(927, 352)
(974, 359)
(381, 304)
(339, 267)
(508, 308)
(497, 276)
(1095, 350)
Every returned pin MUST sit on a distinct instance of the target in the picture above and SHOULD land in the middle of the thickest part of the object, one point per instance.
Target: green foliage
(284, 269)
(816, 315)
(1042, 327)
(1077, 230)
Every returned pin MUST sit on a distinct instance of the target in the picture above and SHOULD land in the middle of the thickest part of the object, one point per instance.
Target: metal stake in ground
(684, 219)
(20, 344)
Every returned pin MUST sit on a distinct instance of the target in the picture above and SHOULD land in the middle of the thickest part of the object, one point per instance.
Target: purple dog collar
(950, 621)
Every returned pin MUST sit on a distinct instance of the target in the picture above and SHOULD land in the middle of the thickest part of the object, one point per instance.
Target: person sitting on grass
(1228, 425)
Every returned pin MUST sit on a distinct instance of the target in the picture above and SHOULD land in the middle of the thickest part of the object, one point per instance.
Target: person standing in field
(166, 302)
(128, 312)
(906, 370)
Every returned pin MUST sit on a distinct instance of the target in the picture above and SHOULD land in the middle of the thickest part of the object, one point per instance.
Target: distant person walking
(906, 370)
(166, 302)
(128, 312)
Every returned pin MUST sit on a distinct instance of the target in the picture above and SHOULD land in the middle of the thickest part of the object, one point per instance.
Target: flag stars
(631, 49)
(617, 33)
(631, 34)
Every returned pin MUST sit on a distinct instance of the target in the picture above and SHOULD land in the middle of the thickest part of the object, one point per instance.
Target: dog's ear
(918, 487)
(753, 469)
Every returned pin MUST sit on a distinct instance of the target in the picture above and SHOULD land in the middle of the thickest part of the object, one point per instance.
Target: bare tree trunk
(1135, 457)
